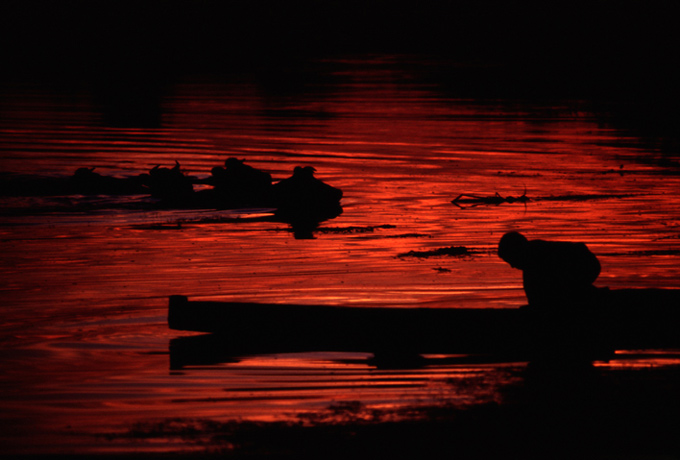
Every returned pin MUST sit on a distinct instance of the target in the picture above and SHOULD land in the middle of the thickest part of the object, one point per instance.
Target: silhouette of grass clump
(452, 251)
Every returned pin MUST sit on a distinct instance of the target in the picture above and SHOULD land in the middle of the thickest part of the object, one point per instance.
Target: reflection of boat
(633, 319)
(211, 349)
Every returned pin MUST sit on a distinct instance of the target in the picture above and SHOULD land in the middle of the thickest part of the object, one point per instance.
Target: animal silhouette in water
(169, 184)
(301, 200)
(304, 191)
(304, 201)
(239, 184)
(87, 182)
(495, 199)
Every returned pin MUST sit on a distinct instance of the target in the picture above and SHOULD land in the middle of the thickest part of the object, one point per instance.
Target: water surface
(85, 280)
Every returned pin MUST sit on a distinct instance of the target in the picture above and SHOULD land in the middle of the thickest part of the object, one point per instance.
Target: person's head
(512, 249)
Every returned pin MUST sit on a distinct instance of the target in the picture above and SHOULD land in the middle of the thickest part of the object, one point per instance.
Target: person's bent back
(556, 274)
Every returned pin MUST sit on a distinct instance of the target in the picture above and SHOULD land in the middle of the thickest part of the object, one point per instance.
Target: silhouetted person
(564, 314)
(555, 273)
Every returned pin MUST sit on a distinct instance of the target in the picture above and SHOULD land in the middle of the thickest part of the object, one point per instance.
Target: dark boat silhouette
(629, 319)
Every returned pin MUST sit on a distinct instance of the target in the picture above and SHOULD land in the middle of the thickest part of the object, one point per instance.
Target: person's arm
(589, 265)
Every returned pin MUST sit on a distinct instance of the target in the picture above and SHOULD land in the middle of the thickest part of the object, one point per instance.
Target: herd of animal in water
(236, 185)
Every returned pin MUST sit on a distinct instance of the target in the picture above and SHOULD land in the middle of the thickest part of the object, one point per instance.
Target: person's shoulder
(541, 244)
(538, 251)
(581, 247)
(556, 244)
(554, 248)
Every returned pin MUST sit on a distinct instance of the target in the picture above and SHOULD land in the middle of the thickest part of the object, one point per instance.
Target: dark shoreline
(585, 413)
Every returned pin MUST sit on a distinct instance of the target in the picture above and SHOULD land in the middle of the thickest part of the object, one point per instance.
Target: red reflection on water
(643, 359)
(77, 286)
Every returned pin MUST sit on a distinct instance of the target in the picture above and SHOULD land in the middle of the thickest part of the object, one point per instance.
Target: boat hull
(624, 319)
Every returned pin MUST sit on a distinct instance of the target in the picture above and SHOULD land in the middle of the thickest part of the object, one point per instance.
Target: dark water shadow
(304, 222)
(216, 349)
(542, 412)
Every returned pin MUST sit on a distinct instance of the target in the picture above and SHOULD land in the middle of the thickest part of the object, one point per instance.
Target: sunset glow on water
(85, 280)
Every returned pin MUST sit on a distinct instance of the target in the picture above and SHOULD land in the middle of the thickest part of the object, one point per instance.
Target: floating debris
(584, 197)
(263, 215)
(454, 251)
(497, 199)
(354, 229)
(410, 235)
(168, 226)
